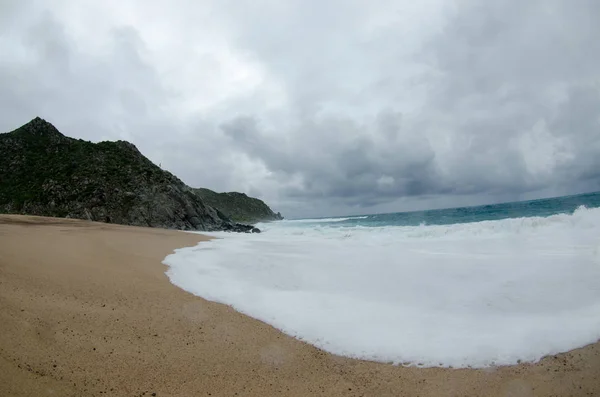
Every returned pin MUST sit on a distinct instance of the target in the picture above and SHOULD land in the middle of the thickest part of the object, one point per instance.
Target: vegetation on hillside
(238, 206)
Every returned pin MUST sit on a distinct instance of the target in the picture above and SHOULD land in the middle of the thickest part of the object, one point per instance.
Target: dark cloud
(511, 108)
(326, 108)
(341, 160)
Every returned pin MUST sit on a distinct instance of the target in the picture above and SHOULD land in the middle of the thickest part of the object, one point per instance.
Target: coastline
(88, 310)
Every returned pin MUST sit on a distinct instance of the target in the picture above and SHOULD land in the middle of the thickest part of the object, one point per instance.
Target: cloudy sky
(322, 107)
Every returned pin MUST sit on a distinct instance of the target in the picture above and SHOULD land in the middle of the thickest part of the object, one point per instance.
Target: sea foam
(462, 295)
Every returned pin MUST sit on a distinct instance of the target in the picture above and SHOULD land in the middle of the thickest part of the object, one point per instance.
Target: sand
(86, 310)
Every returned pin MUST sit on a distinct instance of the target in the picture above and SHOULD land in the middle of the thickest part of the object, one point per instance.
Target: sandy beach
(86, 310)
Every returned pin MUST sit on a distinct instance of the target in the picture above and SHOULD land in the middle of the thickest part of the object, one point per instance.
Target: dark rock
(241, 228)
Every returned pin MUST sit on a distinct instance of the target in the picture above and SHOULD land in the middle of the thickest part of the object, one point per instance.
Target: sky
(322, 108)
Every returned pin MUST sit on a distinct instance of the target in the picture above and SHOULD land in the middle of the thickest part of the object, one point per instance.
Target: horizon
(446, 208)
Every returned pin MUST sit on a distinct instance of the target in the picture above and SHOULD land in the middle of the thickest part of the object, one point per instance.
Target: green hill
(238, 206)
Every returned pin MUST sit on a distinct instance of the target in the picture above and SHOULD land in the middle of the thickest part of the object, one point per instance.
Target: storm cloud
(323, 108)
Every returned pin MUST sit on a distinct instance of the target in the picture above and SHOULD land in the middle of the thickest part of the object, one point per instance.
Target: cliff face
(43, 172)
(238, 206)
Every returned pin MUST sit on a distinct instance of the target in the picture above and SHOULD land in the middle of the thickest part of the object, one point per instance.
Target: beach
(86, 310)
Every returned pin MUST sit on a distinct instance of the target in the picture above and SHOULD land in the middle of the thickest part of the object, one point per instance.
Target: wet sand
(86, 310)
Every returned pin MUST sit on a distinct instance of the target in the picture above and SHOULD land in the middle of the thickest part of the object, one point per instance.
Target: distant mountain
(238, 206)
(43, 172)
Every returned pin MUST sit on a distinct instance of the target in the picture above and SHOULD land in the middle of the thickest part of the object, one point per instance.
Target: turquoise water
(519, 209)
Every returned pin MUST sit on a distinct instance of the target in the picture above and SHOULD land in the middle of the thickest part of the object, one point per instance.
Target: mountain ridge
(43, 172)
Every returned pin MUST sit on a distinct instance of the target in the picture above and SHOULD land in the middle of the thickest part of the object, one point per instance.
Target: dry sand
(86, 310)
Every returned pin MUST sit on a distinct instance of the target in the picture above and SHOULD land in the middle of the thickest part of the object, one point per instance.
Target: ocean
(464, 287)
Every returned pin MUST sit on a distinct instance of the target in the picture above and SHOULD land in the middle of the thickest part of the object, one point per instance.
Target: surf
(478, 294)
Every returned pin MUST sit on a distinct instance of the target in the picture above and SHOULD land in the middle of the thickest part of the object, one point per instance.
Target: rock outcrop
(43, 172)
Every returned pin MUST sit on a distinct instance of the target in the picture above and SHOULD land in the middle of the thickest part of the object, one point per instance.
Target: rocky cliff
(43, 172)
(238, 206)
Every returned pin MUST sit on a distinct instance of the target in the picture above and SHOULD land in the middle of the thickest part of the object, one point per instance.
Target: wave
(461, 295)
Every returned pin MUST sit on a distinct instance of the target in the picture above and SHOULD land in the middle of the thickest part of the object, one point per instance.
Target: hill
(43, 172)
(238, 206)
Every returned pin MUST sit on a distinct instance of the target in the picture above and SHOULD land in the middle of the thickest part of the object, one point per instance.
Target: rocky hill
(238, 206)
(43, 172)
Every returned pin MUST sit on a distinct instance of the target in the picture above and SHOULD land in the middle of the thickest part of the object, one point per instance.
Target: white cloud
(321, 108)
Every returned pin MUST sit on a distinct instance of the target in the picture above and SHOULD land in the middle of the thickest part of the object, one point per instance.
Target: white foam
(477, 294)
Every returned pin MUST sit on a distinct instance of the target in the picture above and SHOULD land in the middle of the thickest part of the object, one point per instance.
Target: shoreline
(87, 309)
